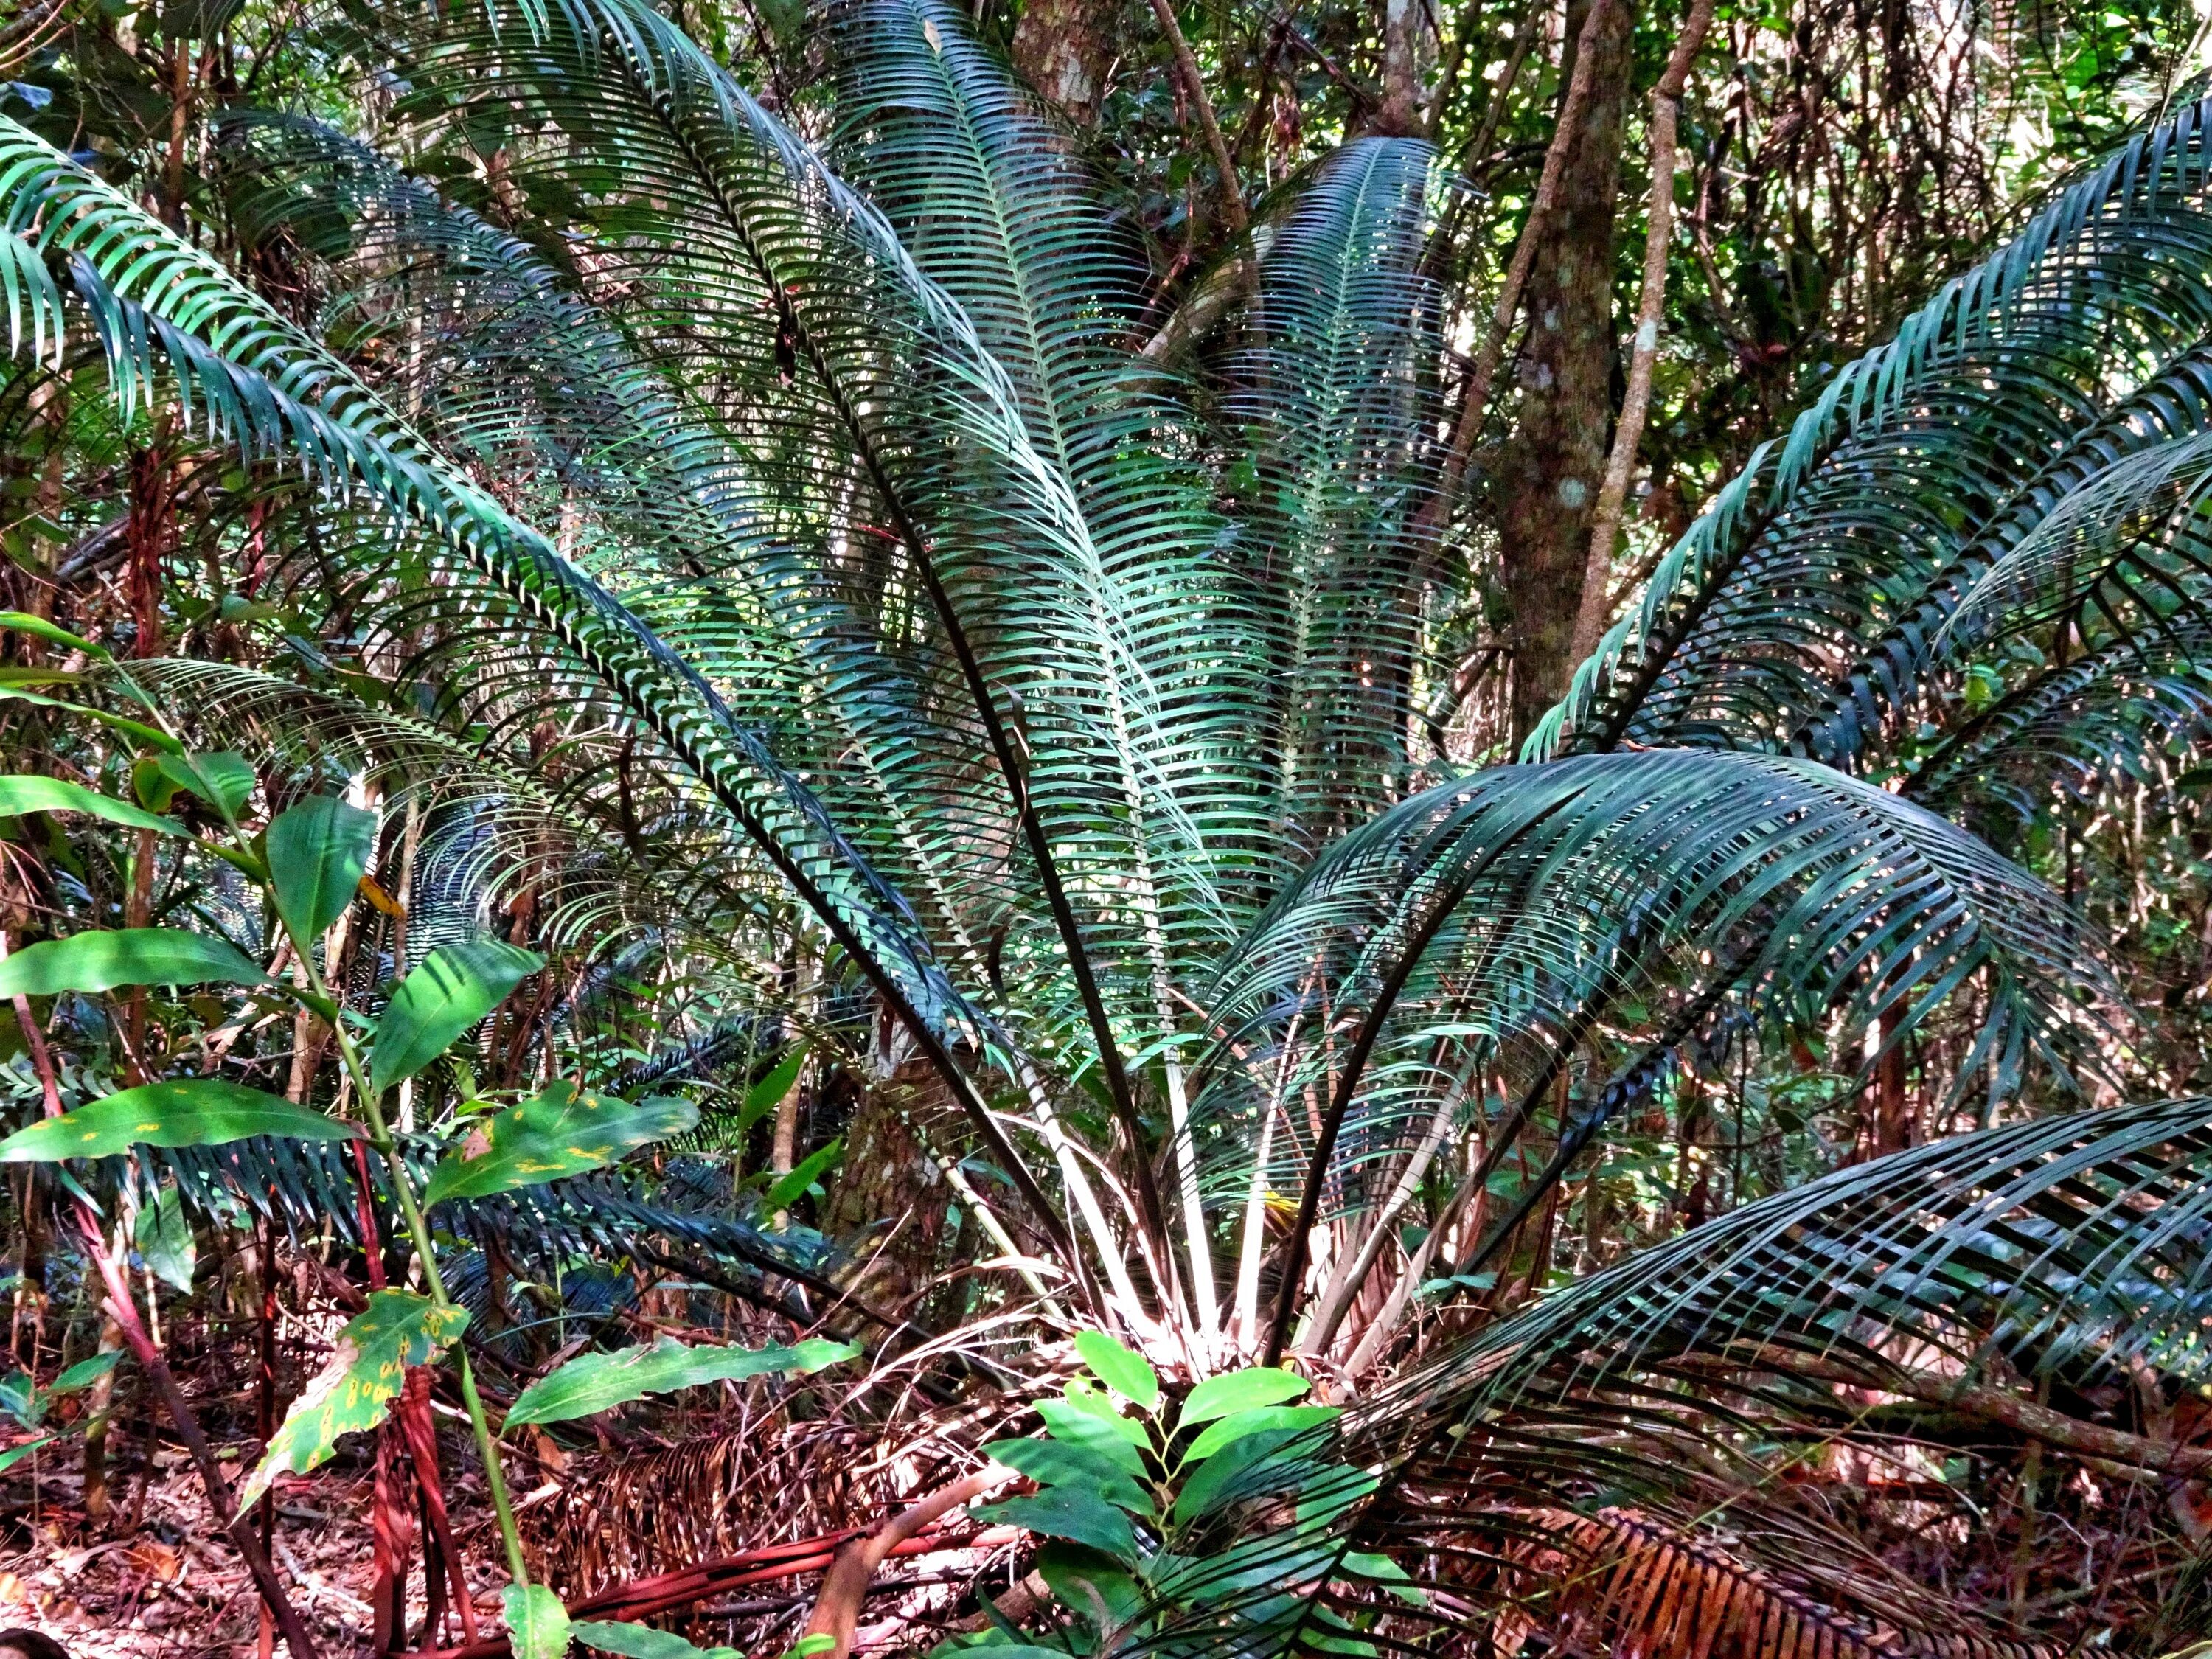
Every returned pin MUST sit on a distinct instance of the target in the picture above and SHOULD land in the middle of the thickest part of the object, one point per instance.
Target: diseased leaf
(557, 1131)
(1068, 1512)
(398, 1329)
(317, 853)
(640, 1641)
(537, 1623)
(1124, 1372)
(101, 961)
(1238, 1391)
(595, 1381)
(456, 985)
(164, 1238)
(18, 795)
(188, 1112)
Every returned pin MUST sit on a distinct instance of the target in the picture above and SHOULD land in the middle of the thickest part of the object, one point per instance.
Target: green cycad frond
(1491, 920)
(996, 210)
(2071, 1251)
(708, 548)
(1334, 400)
(1756, 618)
(158, 302)
(2130, 709)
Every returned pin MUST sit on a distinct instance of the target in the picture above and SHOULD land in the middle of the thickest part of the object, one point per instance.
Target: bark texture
(1063, 48)
(1550, 472)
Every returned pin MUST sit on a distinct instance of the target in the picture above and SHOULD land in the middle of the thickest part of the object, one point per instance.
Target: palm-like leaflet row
(1071, 697)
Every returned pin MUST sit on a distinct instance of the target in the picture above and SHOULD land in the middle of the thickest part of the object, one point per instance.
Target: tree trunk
(1403, 93)
(1063, 48)
(1552, 466)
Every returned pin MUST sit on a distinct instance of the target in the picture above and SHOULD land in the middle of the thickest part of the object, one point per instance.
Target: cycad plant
(825, 497)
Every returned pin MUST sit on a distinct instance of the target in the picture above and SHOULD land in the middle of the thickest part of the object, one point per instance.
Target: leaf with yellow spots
(557, 1131)
(187, 1112)
(398, 1329)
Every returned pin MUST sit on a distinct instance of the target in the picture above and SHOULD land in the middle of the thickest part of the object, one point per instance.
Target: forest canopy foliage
(1086, 830)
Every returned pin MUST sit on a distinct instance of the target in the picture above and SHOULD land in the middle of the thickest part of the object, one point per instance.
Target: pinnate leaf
(188, 1112)
(558, 1132)
(1056, 1463)
(456, 985)
(596, 1382)
(101, 961)
(398, 1329)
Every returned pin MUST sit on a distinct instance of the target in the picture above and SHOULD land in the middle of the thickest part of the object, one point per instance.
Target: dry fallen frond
(1625, 1584)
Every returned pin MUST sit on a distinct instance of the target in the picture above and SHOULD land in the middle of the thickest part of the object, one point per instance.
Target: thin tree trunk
(1555, 460)
(1474, 401)
(1400, 113)
(1636, 403)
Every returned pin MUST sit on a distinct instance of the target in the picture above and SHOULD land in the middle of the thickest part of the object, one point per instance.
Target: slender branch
(845, 1586)
(1193, 86)
(1636, 402)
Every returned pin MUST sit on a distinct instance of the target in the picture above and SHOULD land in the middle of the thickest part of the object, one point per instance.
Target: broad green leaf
(557, 1131)
(1260, 1418)
(536, 1624)
(223, 780)
(16, 1454)
(768, 1094)
(398, 1329)
(594, 1381)
(1107, 1438)
(18, 795)
(188, 1112)
(1107, 1409)
(1124, 1372)
(22, 622)
(101, 961)
(151, 737)
(1240, 1391)
(1068, 1512)
(86, 1372)
(790, 1187)
(317, 853)
(456, 987)
(164, 1238)
(640, 1641)
(1056, 1463)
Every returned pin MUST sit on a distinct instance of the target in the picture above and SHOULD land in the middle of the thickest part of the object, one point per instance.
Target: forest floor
(171, 1589)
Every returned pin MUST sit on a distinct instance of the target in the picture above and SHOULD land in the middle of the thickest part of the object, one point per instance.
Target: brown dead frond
(1619, 1583)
